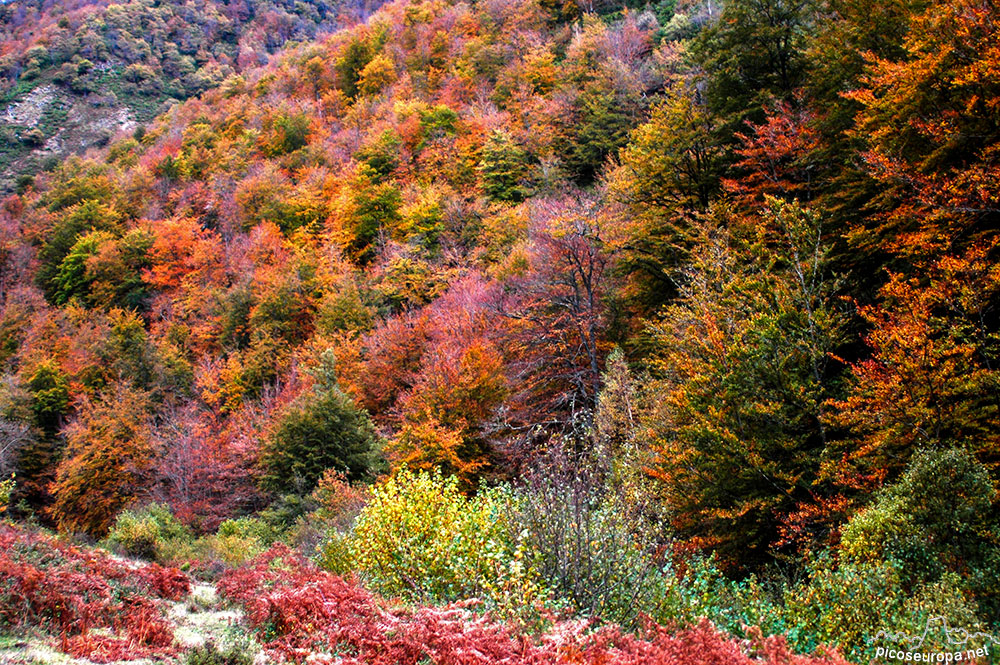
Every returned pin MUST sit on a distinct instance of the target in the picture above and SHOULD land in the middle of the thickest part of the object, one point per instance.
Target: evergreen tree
(323, 429)
(602, 129)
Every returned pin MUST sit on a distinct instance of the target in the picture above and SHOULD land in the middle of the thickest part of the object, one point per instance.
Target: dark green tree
(381, 155)
(754, 52)
(323, 429)
(670, 169)
(49, 390)
(603, 127)
(289, 132)
(836, 57)
(102, 270)
(358, 53)
(502, 168)
(371, 207)
(71, 279)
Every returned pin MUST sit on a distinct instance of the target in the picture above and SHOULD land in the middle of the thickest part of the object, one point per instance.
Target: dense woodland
(663, 313)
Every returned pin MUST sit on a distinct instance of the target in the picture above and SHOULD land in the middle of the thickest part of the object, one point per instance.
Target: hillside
(75, 75)
(642, 316)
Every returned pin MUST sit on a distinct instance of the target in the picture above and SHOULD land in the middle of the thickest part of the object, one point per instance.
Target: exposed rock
(28, 110)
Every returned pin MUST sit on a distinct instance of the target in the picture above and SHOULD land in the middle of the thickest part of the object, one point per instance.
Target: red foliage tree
(555, 312)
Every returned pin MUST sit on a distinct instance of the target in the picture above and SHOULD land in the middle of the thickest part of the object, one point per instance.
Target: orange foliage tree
(932, 380)
(931, 126)
(107, 462)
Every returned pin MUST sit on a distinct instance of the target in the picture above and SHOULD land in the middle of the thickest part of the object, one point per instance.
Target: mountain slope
(73, 75)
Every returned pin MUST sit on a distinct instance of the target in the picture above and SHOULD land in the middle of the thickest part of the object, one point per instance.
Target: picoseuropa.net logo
(959, 644)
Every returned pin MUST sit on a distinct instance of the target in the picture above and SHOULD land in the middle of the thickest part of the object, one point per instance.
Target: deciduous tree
(741, 360)
(107, 463)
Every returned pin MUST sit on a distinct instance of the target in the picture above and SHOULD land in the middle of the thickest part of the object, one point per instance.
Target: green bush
(335, 553)
(938, 518)
(842, 604)
(701, 590)
(421, 539)
(151, 532)
(239, 540)
(6, 490)
(847, 604)
(210, 654)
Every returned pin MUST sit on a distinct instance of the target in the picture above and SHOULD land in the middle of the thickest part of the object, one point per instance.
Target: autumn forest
(498, 331)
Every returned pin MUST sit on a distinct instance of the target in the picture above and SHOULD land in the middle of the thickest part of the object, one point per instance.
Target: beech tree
(928, 120)
(555, 310)
(448, 409)
(502, 168)
(107, 461)
(81, 218)
(753, 52)
(367, 211)
(670, 169)
(741, 367)
(932, 377)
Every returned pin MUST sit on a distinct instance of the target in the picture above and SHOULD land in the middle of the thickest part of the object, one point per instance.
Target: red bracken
(69, 591)
(303, 612)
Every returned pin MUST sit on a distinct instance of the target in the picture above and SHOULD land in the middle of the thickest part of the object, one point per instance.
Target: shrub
(846, 604)
(338, 505)
(70, 592)
(838, 603)
(842, 604)
(6, 490)
(281, 513)
(946, 598)
(239, 540)
(338, 501)
(697, 590)
(420, 538)
(151, 532)
(938, 518)
(210, 654)
(249, 528)
(335, 554)
(588, 545)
